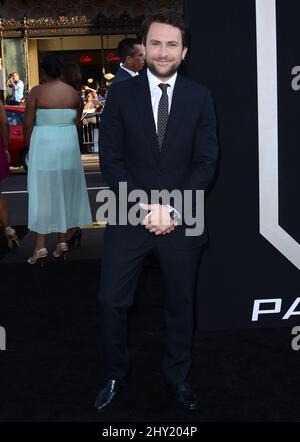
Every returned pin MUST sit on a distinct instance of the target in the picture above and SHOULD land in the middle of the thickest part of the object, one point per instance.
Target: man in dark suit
(132, 58)
(158, 131)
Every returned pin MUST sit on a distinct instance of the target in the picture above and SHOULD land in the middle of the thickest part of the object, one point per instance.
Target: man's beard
(167, 74)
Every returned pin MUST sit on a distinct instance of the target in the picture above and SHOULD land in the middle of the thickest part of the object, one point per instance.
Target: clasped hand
(158, 220)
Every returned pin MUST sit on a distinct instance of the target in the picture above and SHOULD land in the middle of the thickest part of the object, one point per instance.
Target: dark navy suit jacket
(121, 75)
(129, 148)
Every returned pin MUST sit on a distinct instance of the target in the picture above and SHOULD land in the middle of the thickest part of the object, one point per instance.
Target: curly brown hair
(169, 18)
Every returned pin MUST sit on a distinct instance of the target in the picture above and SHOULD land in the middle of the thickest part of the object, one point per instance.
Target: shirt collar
(154, 81)
(132, 73)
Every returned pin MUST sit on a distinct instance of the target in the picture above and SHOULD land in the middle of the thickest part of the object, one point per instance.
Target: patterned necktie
(162, 114)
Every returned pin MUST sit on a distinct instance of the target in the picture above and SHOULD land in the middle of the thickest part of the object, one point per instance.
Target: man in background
(132, 58)
(17, 87)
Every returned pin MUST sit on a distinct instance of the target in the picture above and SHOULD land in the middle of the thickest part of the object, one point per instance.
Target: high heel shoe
(11, 236)
(61, 250)
(38, 254)
(76, 237)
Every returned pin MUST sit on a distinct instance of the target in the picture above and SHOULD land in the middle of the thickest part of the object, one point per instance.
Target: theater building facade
(83, 32)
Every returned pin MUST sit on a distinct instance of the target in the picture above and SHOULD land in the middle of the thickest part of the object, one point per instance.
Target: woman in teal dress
(58, 199)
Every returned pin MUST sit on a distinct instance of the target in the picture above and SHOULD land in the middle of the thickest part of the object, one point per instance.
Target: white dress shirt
(132, 73)
(156, 91)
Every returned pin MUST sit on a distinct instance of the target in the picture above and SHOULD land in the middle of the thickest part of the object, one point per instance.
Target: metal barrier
(89, 136)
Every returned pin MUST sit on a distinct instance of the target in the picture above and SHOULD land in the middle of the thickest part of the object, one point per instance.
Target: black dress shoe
(185, 396)
(108, 393)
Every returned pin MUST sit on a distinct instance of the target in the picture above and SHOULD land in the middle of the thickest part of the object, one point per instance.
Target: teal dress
(58, 198)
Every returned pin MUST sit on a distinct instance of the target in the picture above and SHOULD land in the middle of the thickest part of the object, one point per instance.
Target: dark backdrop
(240, 265)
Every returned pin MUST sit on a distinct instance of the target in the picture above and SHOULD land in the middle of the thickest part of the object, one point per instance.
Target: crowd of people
(18, 96)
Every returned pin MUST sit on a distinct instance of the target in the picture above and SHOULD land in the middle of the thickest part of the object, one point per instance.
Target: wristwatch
(173, 212)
